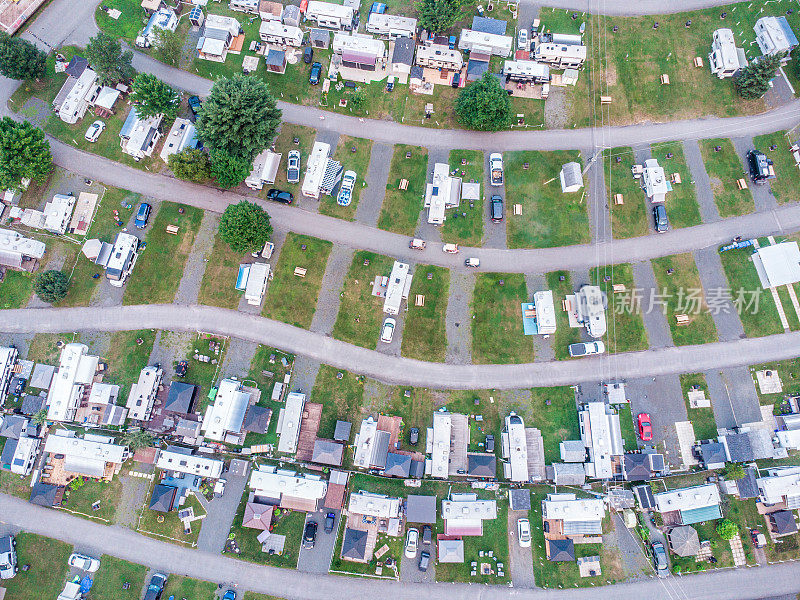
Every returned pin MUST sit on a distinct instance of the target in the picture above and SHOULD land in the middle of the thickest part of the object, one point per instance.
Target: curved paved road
(395, 370)
(727, 584)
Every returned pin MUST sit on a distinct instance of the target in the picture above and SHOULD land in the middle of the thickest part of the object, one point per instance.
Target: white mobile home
(143, 393)
(138, 137)
(725, 59)
(15, 249)
(123, 258)
(219, 33)
(275, 32)
(54, 218)
(563, 56)
(8, 358)
(438, 445)
(485, 43)
(774, 35)
(654, 182)
(289, 422)
(257, 279)
(526, 71)
(545, 312)
(602, 436)
(439, 56)
(247, 6)
(181, 135)
(265, 169)
(330, 16)
(82, 92)
(397, 288)
(359, 51)
(443, 192)
(76, 369)
(181, 460)
(224, 418)
(315, 169)
(163, 19)
(391, 26)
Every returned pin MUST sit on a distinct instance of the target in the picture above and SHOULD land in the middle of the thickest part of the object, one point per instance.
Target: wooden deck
(309, 426)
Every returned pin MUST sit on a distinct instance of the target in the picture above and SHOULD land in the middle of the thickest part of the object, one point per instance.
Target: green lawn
(218, 287)
(16, 289)
(703, 422)
(758, 318)
(159, 269)
(43, 348)
(360, 313)
(45, 88)
(558, 421)
(266, 369)
(254, 596)
(395, 552)
(340, 396)
(80, 498)
(127, 357)
(130, 22)
(113, 574)
(564, 335)
(401, 208)
(424, 335)
(789, 372)
(497, 336)
(682, 200)
(721, 549)
(205, 374)
(284, 143)
(191, 589)
(683, 293)
(13, 484)
(48, 560)
(290, 298)
(724, 169)
(784, 186)
(629, 219)
(167, 526)
(357, 161)
(626, 331)
(627, 428)
(549, 217)
(464, 225)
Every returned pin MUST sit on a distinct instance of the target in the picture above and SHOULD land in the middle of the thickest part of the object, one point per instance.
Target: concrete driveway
(221, 511)
(318, 558)
(521, 558)
(409, 567)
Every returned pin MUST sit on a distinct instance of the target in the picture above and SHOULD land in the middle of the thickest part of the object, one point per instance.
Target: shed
(644, 494)
(397, 465)
(560, 550)
(291, 15)
(403, 51)
(342, 431)
(256, 419)
(275, 61)
(180, 397)
(481, 465)
(571, 177)
(489, 25)
(451, 551)
(520, 499)
(163, 498)
(354, 545)
(569, 473)
(320, 38)
(421, 509)
(327, 452)
(257, 516)
(782, 521)
(572, 451)
(44, 494)
(33, 403)
(684, 541)
(747, 486)
(713, 455)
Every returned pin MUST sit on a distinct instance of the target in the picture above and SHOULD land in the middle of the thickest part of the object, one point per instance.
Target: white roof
(427, 53)
(770, 35)
(778, 264)
(440, 444)
(591, 309)
(527, 68)
(384, 24)
(723, 48)
(13, 241)
(143, 393)
(365, 443)
(88, 448)
(782, 482)
(655, 182)
(226, 414)
(699, 496)
(71, 591)
(567, 507)
(500, 45)
(316, 8)
(515, 447)
(24, 454)
(57, 213)
(140, 133)
(469, 510)
(123, 252)
(399, 280)
(179, 136)
(315, 168)
(358, 42)
(601, 434)
(221, 23)
(189, 463)
(545, 311)
(74, 105)
(76, 368)
(443, 192)
(289, 422)
(267, 481)
(265, 168)
(103, 393)
(559, 52)
(273, 28)
(107, 97)
(213, 46)
(256, 283)
(374, 505)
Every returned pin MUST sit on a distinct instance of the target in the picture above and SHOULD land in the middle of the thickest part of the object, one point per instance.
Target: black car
(156, 587)
(660, 221)
(413, 436)
(280, 196)
(330, 521)
(316, 69)
(426, 535)
(310, 534)
(194, 106)
(424, 560)
(490, 443)
(456, 79)
(496, 208)
(760, 167)
(308, 55)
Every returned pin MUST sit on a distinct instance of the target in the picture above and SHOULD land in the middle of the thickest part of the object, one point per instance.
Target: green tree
(245, 227)
(154, 97)
(484, 105)
(727, 529)
(439, 15)
(753, 81)
(358, 99)
(239, 116)
(229, 171)
(40, 417)
(168, 46)
(733, 471)
(138, 438)
(24, 152)
(19, 59)
(190, 164)
(105, 55)
(51, 286)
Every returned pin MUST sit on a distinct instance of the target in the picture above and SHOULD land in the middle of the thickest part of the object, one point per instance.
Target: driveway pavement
(662, 398)
(521, 559)
(318, 558)
(221, 511)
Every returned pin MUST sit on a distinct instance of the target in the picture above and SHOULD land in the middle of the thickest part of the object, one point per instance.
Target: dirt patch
(610, 74)
(557, 109)
(186, 244)
(716, 185)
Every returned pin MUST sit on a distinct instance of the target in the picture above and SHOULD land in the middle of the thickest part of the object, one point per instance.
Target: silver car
(293, 167)
(8, 557)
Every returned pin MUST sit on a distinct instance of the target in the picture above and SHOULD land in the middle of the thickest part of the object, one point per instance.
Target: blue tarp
(529, 325)
(700, 515)
(129, 123)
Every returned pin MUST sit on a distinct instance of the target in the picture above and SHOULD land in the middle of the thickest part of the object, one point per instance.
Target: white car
(94, 131)
(8, 557)
(293, 167)
(586, 349)
(412, 543)
(83, 562)
(219, 488)
(387, 332)
(496, 168)
(524, 533)
(522, 40)
(346, 191)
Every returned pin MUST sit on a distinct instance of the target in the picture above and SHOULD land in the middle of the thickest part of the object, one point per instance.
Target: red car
(645, 427)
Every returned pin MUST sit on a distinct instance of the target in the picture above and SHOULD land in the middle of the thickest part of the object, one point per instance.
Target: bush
(51, 286)
(245, 227)
(727, 529)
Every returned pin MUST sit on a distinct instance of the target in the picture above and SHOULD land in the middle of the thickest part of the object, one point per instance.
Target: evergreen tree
(20, 59)
(51, 286)
(229, 171)
(191, 164)
(439, 15)
(24, 153)
(245, 227)
(168, 46)
(753, 81)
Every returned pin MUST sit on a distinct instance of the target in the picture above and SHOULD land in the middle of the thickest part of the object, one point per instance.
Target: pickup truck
(496, 167)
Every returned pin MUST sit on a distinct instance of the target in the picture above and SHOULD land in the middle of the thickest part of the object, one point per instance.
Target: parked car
(94, 131)
(413, 436)
(522, 40)
(660, 221)
(194, 105)
(759, 539)
(760, 167)
(330, 521)
(346, 190)
(496, 167)
(156, 586)
(19, 386)
(219, 487)
(472, 262)
(451, 42)
(229, 595)
(83, 562)
(308, 55)
(310, 534)
(417, 244)
(142, 215)
(424, 560)
(316, 69)
(496, 209)
(660, 559)
(587, 348)
(427, 535)
(387, 332)
(489, 446)
(412, 543)
(8, 557)
(280, 196)
(524, 533)
(456, 81)
(450, 248)
(645, 427)
(293, 167)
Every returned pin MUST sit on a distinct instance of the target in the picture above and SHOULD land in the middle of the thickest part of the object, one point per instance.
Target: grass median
(464, 225)
(628, 219)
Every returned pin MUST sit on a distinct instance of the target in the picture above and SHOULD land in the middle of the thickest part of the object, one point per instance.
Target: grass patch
(218, 287)
(159, 269)
(564, 335)
(464, 225)
(16, 289)
(401, 208)
(360, 313)
(126, 358)
(171, 528)
(288, 523)
(292, 299)
(48, 560)
(549, 217)
(626, 331)
(43, 348)
(284, 143)
(185, 587)
(724, 169)
(341, 397)
(395, 545)
(789, 372)
(424, 335)
(130, 22)
(682, 200)
(629, 219)
(627, 428)
(113, 573)
(702, 419)
(784, 186)
(558, 420)
(266, 369)
(81, 498)
(45, 88)
(497, 336)
(357, 161)
(204, 374)
(13, 484)
(683, 293)
(720, 548)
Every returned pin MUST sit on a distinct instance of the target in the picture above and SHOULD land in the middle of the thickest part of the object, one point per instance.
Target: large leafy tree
(239, 117)
(484, 105)
(168, 46)
(753, 81)
(245, 227)
(51, 286)
(24, 152)
(105, 55)
(439, 15)
(229, 171)
(19, 59)
(190, 164)
(154, 97)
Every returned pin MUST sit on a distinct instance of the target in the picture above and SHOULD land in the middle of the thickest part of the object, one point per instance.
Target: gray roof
(275, 58)
(747, 486)
(397, 465)
(42, 376)
(489, 25)
(739, 447)
(417, 469)
(450, 551)
(783, 521)
(573, 473)
(32, 404)
(644, 494)
(354, 544)
(9, 448)
(620, 498)
(712, 453)
(256, 419)
(12, 426)
(520, 499)
(187, 428)
(43, 494)
(327, 452)
(572, 174)
(320, 36)
(403, 52)
(684, 541)
(381, 448)
(180, 397)
(561, 550)
(77, 65)
(572, 451)
(291, 14)
(342, 431)
(476, 68)
(481, 465)
(636, 467)
(163, 497)
(416, 72)
(421, 509)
